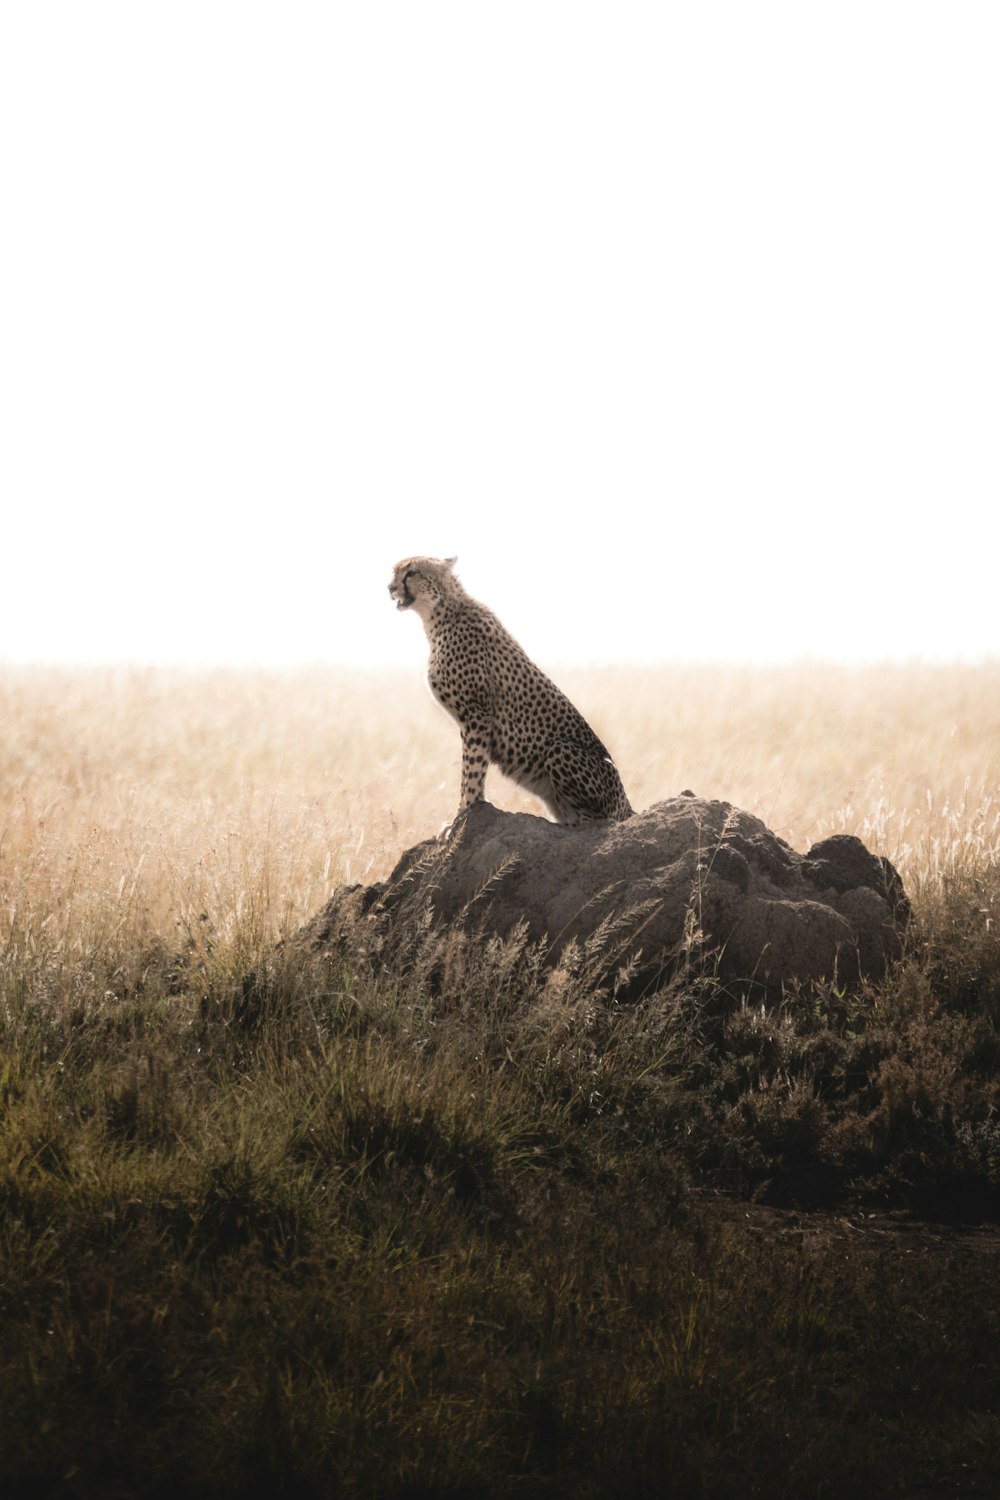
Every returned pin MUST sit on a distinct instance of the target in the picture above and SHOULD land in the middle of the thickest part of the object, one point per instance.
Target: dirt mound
(687, 879)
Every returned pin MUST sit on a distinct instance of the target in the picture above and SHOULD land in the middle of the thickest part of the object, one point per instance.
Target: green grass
(278, 1225)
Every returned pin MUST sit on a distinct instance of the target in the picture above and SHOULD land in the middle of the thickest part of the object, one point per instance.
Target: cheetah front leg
(475, 760)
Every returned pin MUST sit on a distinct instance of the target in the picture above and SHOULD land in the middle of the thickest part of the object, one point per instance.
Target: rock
(686, 881)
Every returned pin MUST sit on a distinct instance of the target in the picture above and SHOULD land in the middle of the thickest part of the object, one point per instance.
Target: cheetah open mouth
(401, 593)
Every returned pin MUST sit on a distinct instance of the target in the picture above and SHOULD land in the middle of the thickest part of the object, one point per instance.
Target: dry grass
(278, 1225)
(144, 798)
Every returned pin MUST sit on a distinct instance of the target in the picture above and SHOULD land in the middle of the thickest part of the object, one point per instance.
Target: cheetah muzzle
(400, 592)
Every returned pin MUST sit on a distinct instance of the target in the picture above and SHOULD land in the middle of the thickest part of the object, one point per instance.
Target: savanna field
(273, 1224)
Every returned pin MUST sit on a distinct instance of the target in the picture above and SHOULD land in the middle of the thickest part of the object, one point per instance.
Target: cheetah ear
(450, 562)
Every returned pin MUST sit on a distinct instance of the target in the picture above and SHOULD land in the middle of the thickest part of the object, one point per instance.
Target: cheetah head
(421, 581)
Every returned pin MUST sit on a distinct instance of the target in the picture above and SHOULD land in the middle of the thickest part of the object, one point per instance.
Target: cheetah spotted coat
(509, 713)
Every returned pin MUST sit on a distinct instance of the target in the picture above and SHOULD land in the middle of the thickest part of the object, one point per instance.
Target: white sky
(679, 323)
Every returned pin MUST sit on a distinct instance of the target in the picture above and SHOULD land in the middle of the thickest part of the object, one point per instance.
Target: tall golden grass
(140, 799)
(272, 1224)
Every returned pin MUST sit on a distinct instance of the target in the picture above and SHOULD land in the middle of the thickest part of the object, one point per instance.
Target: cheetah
(509, 713)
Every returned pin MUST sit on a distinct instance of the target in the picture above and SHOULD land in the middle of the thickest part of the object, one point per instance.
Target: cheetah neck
(436, 612)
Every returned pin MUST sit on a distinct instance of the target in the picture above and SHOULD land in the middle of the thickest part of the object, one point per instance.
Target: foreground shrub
(273, 1225)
